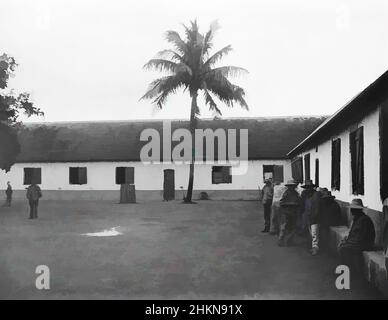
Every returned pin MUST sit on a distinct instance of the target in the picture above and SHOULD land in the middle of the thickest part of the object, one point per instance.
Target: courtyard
(157, 250)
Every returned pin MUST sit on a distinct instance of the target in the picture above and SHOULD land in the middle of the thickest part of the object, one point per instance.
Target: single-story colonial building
(90, 160)
(348, 154)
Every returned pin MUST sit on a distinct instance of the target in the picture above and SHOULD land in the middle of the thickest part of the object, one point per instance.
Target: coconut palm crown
(191, 66)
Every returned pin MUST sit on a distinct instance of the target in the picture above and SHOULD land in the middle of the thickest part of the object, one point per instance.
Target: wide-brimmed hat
(291, 182)
(356, 204)
(326, 194)
(308, 184)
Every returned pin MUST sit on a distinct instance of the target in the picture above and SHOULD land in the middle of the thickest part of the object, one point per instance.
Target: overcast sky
(82, 59)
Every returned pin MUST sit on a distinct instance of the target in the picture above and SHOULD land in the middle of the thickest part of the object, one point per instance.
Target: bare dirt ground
(212, 249)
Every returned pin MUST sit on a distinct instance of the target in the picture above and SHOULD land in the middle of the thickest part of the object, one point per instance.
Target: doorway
(169, 185)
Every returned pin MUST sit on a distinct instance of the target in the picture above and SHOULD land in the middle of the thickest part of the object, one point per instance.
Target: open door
(169, 185)
(125, 177)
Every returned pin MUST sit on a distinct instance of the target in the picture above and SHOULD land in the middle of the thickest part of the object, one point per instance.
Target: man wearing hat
(267, 196)
(314, 219)
(307, 194)
(361, 237)
(290, 204)
(278, 191)
(330, 215)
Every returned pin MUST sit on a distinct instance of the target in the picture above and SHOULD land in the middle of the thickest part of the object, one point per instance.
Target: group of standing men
(310, 213)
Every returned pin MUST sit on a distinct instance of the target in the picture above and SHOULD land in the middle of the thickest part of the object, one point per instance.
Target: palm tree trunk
(192, 131)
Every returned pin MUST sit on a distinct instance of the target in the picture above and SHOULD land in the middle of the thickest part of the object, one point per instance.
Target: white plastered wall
(371, 197)
(101, 175)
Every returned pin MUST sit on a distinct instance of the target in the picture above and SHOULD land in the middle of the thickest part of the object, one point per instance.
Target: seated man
(330, 216)
(361, 237)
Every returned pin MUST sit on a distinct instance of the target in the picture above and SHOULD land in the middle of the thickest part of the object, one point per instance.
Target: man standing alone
(8, 193)
(267, 203)
(33, 195)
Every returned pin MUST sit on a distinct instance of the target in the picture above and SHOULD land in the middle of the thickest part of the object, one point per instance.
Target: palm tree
(191, 67)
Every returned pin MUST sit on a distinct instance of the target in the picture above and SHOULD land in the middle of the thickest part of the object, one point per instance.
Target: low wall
(141, 195)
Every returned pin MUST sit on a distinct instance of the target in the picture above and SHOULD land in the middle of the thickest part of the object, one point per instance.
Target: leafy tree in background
(191, 67)
(12, 106)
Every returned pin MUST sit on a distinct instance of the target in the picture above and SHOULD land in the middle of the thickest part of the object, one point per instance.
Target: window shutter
(297, 169)
(336, 164)
(360, 160)
(307, 166)
(278, 173)
(129, 175)
(357, 160)
(120, 175)
(37, 175)
(226, 176)
(317, 172)
(27, 176)
(73, 175)
(82, 175)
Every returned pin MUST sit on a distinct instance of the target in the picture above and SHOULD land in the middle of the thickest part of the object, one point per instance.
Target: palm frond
(161, 65)
(183, 68)
(154, 88)
(174, 38)
(192, 33)
(208, 40)
(170, 86)
(225, 71)
(170, 55)
(210, 101)
(161, 88)
(218, 56)
(227, 92)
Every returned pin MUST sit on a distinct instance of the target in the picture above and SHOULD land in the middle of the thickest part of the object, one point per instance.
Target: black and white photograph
(219, 151)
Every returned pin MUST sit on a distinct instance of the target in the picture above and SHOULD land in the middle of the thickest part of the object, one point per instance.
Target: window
(336, 164)
(307, 166)
(32, 176)
(221, 174)
(125, 175)
(384, 153)
(274, 172)
(297, 169)
(78, 175)
(317, 172)
(357, 160)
